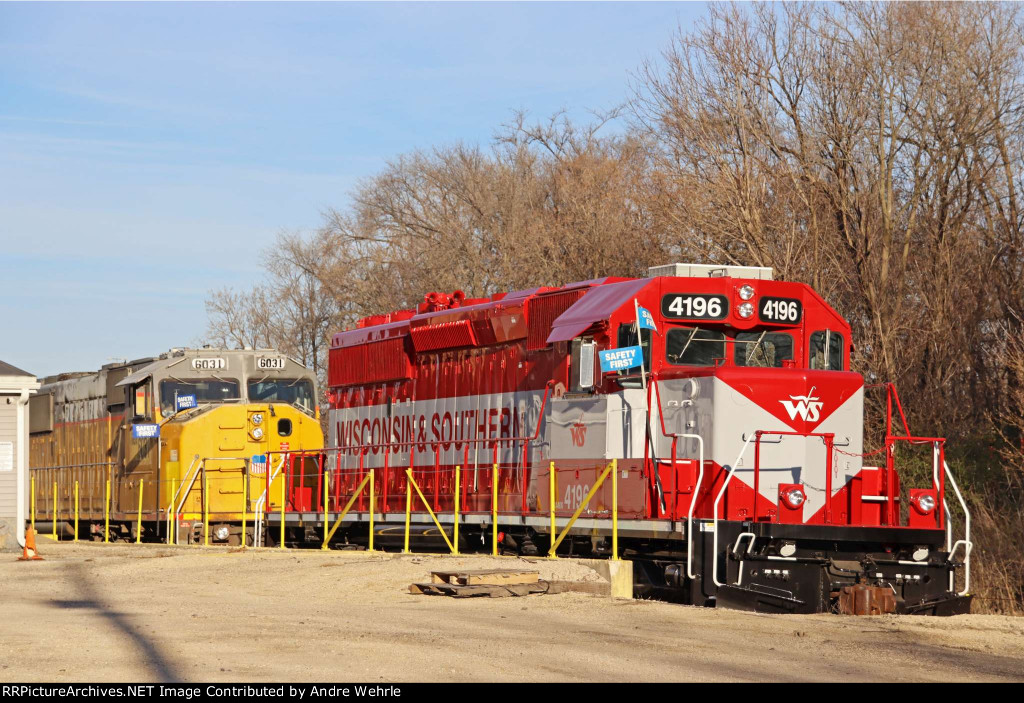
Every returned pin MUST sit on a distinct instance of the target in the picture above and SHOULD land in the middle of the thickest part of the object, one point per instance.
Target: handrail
(259, 512)
(721, 492)
(172, 515)
(700, 477)
(966, 541)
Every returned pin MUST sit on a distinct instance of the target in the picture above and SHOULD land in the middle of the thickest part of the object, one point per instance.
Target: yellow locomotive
(176, 447)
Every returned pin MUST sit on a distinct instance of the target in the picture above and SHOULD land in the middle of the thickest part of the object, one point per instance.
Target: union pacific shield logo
(806, 407)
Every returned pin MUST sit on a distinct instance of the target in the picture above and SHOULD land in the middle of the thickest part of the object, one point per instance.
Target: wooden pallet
(495, 583)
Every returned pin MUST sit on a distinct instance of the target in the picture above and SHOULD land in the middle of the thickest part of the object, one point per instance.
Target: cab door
(138, 468)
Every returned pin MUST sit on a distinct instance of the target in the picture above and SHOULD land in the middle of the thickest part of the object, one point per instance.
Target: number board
(209, 364)
(267, 363)
(785, 311)
(694, 306)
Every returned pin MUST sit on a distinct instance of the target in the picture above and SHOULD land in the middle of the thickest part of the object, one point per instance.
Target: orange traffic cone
(30, 553)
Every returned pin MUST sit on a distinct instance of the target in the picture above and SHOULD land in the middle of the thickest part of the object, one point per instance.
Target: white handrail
(966, 541)
(260, 513)
(172, 515)
(721, 492)
(693, 504)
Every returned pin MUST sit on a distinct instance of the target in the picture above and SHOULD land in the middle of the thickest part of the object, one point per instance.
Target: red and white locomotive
(737, 446)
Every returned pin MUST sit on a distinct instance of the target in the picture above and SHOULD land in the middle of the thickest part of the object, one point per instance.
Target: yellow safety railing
(76, 511)
(454, 548)
(138, 528)
(328, 534)
(556, 539)
(106, 515)
(245, 503)
(553, 483)
(494, 511)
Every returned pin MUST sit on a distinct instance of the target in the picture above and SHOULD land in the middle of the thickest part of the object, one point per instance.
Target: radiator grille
(446, 335)
(374, 362)
(542, 313)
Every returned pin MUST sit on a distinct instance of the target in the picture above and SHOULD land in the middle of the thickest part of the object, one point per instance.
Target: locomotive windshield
(294, 391)
(763, 349)
(693, 346)
(206, 390)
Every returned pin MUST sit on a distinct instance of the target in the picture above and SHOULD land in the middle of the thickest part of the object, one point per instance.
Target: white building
(15, 388)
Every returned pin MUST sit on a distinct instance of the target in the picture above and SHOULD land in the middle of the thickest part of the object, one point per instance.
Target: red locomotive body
(737, 446)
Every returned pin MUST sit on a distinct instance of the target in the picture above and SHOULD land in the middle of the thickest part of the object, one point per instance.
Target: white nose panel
(786, 459)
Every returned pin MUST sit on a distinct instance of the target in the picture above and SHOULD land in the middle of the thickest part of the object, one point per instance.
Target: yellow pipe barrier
(552, 482)
(55, 537)
(408, 513)
(245, 503)
(76, 511)
(579, 510)
(138, 529)
(494, 511)
(170, 509)
(373, 508)
(408, 472)
(615, 509)
(348, 506)
(458, 494)
(283, 498)
(32, 481)
(206, 508)
(326, 492)
(106, 515)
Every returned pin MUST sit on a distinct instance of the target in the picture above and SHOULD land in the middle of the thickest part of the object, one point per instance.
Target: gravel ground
(94, 612)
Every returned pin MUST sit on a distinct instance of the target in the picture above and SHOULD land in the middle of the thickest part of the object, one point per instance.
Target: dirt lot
(94, 612)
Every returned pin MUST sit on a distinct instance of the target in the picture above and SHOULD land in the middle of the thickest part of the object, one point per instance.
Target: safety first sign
(620, 359)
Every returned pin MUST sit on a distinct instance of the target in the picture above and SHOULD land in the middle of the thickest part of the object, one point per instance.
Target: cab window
(142, 401)
(627, 338)
(206, 390)
(693, 346)
(762, 349)
(294, 391)
(826, 351)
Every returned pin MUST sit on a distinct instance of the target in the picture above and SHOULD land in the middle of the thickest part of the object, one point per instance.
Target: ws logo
(806, 407)
(578, 432)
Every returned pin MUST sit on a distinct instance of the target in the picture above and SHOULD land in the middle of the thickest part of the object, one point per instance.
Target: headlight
(257, 433)
(794, 497)
(925, 502)
(220, 533)
(746, 292)
(257, 418)
(745, 310)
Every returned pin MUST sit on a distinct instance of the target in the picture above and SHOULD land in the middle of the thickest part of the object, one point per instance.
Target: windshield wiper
(679, 356)
(753, 351)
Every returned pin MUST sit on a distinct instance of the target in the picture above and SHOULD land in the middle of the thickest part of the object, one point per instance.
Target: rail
(259, 512)
(676, 436)
(965, 542)
(172, 515)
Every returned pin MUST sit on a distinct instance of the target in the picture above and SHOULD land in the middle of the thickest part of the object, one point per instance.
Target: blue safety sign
(620, 359)
(147, 430)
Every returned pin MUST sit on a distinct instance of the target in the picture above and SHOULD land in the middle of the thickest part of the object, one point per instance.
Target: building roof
(8, 370)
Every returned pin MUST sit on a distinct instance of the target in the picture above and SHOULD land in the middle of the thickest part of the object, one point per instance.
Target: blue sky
(149, 152)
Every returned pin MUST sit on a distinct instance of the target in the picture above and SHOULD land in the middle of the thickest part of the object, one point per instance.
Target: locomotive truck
(703, 422)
